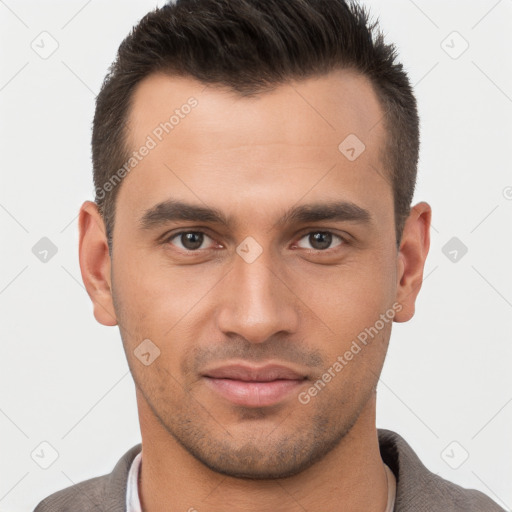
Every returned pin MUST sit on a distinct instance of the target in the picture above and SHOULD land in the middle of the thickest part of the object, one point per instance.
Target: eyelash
(344, 240)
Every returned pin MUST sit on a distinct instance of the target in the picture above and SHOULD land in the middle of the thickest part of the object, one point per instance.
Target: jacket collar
(417, 488)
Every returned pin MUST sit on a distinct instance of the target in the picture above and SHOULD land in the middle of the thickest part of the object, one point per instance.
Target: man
(253, 238)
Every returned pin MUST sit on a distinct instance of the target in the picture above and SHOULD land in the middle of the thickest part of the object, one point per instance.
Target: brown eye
(189, 240)
(320, 240)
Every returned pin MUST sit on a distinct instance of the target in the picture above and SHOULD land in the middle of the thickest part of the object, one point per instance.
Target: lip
(252, 386)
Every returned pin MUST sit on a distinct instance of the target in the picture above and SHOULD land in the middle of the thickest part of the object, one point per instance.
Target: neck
(351, 477)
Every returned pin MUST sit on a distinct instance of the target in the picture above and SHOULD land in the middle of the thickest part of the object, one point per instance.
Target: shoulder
(418, 489)
(87, 495)
(102, 493)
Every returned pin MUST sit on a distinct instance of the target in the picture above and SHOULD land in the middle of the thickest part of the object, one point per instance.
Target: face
(255, 274)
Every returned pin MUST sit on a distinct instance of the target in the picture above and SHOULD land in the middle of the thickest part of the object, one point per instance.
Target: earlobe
(411, 258)
(95, 264)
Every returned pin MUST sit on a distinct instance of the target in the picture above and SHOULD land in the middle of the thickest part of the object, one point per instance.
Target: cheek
(161, 304)
(152, 288)
(356, 303)
(352, 296)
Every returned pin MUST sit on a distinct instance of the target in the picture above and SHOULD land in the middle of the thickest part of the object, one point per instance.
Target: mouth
(251, 386)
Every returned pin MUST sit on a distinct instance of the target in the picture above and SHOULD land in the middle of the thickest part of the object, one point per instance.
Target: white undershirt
(133, 500)
(132, 487)
(391, 489)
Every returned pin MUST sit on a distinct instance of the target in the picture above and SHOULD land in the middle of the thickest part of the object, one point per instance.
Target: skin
(297, 304)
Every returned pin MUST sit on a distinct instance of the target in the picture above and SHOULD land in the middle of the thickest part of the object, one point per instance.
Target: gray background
(446, 385)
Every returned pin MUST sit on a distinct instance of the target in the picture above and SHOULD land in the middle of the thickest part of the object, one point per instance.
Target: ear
(412, 254)
(95, 263)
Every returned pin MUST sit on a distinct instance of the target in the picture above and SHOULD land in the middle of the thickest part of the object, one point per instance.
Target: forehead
(328, 106)
(322, 137)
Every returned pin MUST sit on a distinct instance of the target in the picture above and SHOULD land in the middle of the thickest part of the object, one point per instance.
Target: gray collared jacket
(418, 489)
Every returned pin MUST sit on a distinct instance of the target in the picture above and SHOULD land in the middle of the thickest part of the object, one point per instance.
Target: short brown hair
(252, 46)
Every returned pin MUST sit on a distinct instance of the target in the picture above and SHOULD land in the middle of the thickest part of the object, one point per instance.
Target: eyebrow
(174, 210)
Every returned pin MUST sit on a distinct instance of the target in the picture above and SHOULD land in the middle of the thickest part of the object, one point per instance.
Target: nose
(256, 301)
